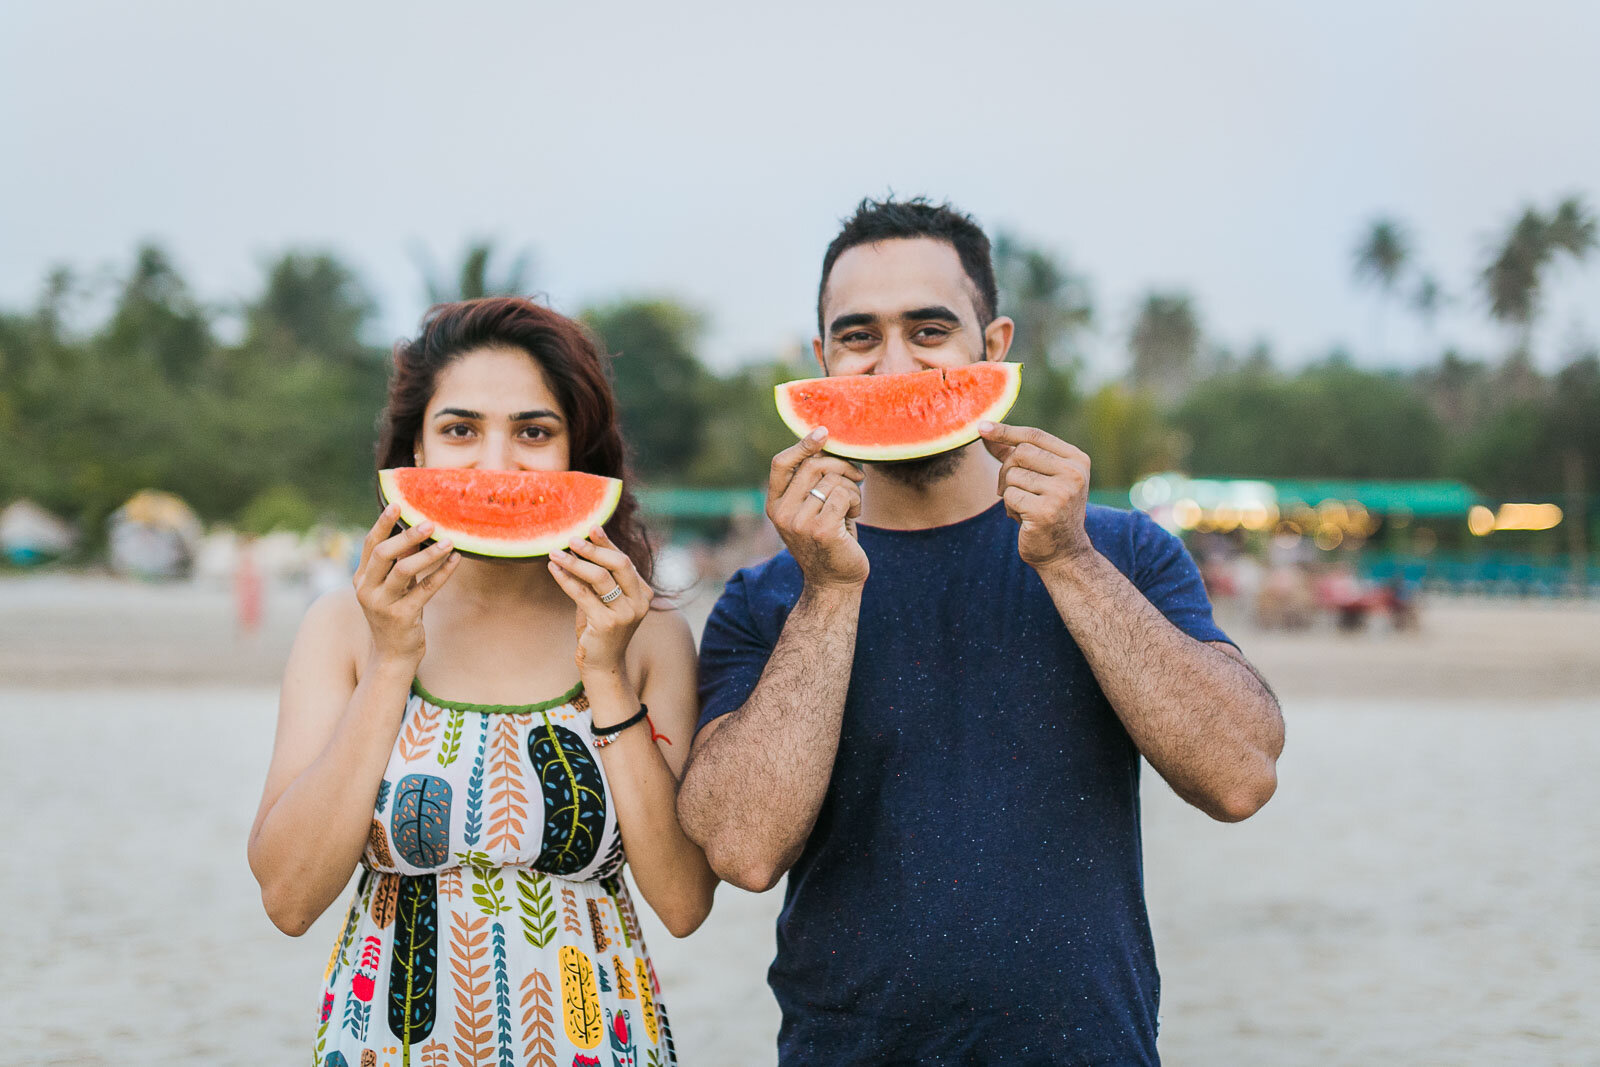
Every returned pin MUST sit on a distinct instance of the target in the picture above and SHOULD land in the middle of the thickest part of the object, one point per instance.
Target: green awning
(1424, 499)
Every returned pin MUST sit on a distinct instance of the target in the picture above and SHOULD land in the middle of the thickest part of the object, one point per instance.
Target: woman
(490, 924)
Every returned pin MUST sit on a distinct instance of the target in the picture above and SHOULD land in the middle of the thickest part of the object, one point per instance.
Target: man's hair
(891, 219)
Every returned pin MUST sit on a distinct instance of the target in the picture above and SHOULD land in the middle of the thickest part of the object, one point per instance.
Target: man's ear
(816, 350)
(997, 339)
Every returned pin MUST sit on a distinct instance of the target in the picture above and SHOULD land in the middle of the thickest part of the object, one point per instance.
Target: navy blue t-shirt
(973, 889)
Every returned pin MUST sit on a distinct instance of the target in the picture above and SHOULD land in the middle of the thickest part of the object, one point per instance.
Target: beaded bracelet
(604, 735)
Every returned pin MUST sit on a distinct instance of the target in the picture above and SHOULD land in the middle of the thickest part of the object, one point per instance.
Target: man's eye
(859, 337)
(931, 334)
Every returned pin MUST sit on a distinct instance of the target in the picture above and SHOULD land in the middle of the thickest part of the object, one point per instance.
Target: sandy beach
(1421, 890)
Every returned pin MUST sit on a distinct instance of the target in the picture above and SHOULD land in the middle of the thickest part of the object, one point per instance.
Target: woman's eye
(535, 433)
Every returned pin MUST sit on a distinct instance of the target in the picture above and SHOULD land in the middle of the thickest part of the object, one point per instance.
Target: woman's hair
(573, 366)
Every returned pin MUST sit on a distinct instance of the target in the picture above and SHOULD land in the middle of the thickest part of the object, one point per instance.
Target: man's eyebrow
(847, 322)
(937, 312)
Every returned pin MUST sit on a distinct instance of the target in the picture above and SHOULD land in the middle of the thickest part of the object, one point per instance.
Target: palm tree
(1050, 304)
(1514, 278)
(473, 278)
(1165, 343)
(1381, 259)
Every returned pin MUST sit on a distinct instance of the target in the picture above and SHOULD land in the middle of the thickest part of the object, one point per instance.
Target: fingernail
(819, 433)
(985, 426)
(597, 532)
(447, 544)
(425, 526)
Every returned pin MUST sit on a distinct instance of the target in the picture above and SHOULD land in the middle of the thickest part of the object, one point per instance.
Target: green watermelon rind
(497, 548)
(958, 437)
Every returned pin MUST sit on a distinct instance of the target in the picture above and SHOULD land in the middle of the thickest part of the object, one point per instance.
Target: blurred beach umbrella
(154, 536)
(29, 534)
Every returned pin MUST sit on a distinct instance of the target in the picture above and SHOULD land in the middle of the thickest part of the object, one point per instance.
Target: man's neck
(893, 504)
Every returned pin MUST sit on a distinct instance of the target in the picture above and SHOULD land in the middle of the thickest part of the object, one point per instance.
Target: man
(932, 721)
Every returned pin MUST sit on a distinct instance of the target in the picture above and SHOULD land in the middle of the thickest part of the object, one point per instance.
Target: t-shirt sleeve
(733, 652)
(1166, 574)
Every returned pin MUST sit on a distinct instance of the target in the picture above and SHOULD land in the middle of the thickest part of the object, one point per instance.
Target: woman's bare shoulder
(334, 627)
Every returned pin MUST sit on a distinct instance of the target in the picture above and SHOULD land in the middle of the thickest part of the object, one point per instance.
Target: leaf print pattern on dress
(358, 1005)
(488, 890)
(473, 828)
(383, 797)
(538, 907)
(378, 846)
(624, 983)
(384, 900)
(508, 799)
(502, 999)
(580, 1004)
(538, 1021)
(474, 1039)
(413, 970)
(421, 821)
(436, 1054)
(569, 912)
(597, 925)
(455, 719)
(417, 737)
(647, 1003)
(574, 799)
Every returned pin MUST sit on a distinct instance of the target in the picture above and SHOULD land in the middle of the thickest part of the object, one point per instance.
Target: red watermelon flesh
(900, 416)
(503, 514)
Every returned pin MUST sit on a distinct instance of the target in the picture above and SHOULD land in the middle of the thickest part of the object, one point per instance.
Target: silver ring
(819, 494)
(609, 597)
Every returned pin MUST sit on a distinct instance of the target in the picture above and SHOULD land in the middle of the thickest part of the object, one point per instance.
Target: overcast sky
(1234, 150)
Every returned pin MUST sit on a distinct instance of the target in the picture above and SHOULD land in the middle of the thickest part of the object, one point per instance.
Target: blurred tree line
(263, 415)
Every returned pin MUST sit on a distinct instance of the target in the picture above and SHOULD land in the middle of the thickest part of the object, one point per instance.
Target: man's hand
(1045, 484)
(813, 500)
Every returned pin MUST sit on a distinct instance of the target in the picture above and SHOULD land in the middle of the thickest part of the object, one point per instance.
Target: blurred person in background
(929, 710)
(491, 822)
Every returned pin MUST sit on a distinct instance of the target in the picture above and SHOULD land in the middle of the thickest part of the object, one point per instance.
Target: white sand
(1422, 890)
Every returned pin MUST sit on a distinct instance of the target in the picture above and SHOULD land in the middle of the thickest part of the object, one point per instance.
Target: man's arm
(1197, 711)
(757, 776)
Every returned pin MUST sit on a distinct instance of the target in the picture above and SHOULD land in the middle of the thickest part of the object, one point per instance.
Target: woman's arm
(643, 763)
(335, 731)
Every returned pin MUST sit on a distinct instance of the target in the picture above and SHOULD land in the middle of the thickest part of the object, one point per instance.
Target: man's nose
(898, 357)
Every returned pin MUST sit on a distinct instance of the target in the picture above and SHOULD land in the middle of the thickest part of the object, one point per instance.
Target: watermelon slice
(502, 514)
(900, 416)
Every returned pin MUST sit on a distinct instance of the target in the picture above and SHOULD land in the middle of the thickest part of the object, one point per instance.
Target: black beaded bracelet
(604, 735)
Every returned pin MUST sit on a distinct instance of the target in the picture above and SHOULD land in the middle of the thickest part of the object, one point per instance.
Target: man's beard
(924, 473)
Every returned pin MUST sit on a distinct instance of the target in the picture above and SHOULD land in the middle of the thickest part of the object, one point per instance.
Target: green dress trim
(498, 709)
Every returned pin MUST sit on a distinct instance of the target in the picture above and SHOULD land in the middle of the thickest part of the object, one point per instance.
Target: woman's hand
(589, 573)
(395, 579)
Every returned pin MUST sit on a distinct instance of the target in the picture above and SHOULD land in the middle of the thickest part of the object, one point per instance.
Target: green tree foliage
(661, 385)
(1331, 420)
(1126, 436)
(1050, 304)
(1165, 344)
(474, 278)
(1514, 279)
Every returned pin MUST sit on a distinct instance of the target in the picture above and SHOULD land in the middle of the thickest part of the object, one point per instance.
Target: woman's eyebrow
(460, 413)
(538, 413)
